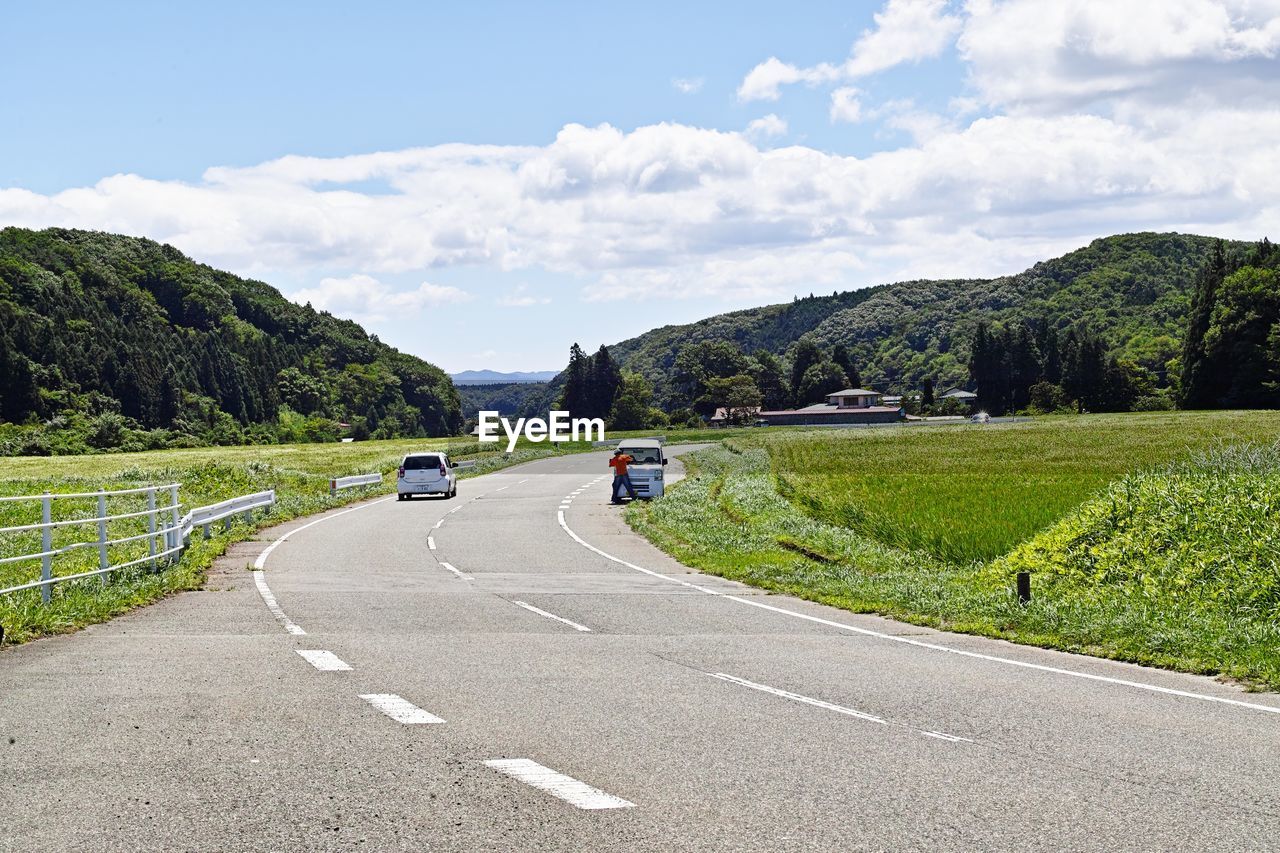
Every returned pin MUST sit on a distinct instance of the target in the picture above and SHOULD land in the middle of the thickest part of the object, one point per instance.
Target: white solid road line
(921, 644)
(274, 606)
(450, 567)
(541, 612)
(400, 709)
(839, 709)
(556, 784)
(324, 661)
(431, 542)
(262, 558)
(796, 697)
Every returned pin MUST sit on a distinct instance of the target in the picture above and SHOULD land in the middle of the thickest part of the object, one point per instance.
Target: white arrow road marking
(450, 567)
(324, 661)
(921, 644)
(556, 784)
(541, 612)
(400, 709)
(274, 606)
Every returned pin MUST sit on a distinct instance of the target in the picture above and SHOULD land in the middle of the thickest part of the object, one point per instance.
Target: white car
(426, 474)
(645, 468)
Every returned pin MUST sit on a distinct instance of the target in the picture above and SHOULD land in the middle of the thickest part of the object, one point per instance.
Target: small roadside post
(1024, 587)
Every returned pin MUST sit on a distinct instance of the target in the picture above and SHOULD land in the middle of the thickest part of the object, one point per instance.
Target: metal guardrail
(166, 535)
(465, 464)
(339, 483)
(244, 505)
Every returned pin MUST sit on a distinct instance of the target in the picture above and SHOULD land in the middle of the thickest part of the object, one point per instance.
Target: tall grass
(973, 492)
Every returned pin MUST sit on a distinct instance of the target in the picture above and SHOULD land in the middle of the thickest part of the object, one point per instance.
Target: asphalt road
(542, 678)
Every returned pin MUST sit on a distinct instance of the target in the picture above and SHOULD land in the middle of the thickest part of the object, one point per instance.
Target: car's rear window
(421, 463)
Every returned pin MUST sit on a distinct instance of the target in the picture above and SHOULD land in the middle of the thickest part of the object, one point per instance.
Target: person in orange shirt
(621, 478)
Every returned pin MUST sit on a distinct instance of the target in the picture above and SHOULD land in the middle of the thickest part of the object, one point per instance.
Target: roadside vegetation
(1150, 538)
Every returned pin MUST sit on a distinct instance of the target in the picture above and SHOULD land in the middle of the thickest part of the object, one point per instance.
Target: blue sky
(483, 184)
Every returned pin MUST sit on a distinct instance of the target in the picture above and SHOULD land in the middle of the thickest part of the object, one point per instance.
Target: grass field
(1151, 538)
(973, 492)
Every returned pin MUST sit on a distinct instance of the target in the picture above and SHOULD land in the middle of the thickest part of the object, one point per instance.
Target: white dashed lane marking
(400, 709)
(567, 788)
(431, 542)
(324, 661)
(574, 625)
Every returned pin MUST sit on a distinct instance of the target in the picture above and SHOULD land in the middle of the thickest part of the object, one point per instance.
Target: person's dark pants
(622, 480)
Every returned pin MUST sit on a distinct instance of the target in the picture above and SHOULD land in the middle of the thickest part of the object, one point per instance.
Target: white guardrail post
(103, 562)
(46, 545)
(176, 539)
(151, 526)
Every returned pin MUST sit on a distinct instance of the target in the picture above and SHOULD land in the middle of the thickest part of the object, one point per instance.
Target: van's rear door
(422, 470)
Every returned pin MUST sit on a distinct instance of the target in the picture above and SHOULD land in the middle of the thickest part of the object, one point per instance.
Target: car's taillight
(443, 471)
(401, 470)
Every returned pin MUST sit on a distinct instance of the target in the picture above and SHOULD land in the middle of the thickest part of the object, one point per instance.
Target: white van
(646, 466)
(426, 474)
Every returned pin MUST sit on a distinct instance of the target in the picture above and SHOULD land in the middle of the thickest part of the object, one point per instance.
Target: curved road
(514, 669)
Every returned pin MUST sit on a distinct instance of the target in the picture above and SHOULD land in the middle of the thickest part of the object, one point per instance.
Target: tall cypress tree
(573, 398)
(805, 355)
(1200, 384)
(603, 381)
(840, 355)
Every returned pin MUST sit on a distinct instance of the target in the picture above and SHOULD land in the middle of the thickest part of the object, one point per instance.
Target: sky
(483, 184)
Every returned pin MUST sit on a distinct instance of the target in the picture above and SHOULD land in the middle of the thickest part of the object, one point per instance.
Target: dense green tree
(823, 378)
(633, 407)
(738, 395)
(603, 382)
(771, 379)
(804, 355)
(575, 397)
(840, 355)
(1202, 378)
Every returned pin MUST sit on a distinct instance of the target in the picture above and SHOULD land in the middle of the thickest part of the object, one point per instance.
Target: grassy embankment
(1150, 538)
(299, 473)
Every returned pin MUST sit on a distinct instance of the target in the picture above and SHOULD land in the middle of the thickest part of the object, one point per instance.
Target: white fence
(339, 483)
(166, 534)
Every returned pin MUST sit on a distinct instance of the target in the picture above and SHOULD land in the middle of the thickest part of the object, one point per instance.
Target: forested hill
(1132, 290)
(110, 341)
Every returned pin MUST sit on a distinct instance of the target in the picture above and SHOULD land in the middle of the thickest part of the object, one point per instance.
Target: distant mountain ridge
(495, 377)
(1131, 289)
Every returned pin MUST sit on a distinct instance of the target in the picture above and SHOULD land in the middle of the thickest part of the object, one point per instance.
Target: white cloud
(905, 31)
(845, 105)
(763, 82)
(687, 85)
(521, 297)
(1047, 55)
(366, 300)
(767, 126)
(1065, 137)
